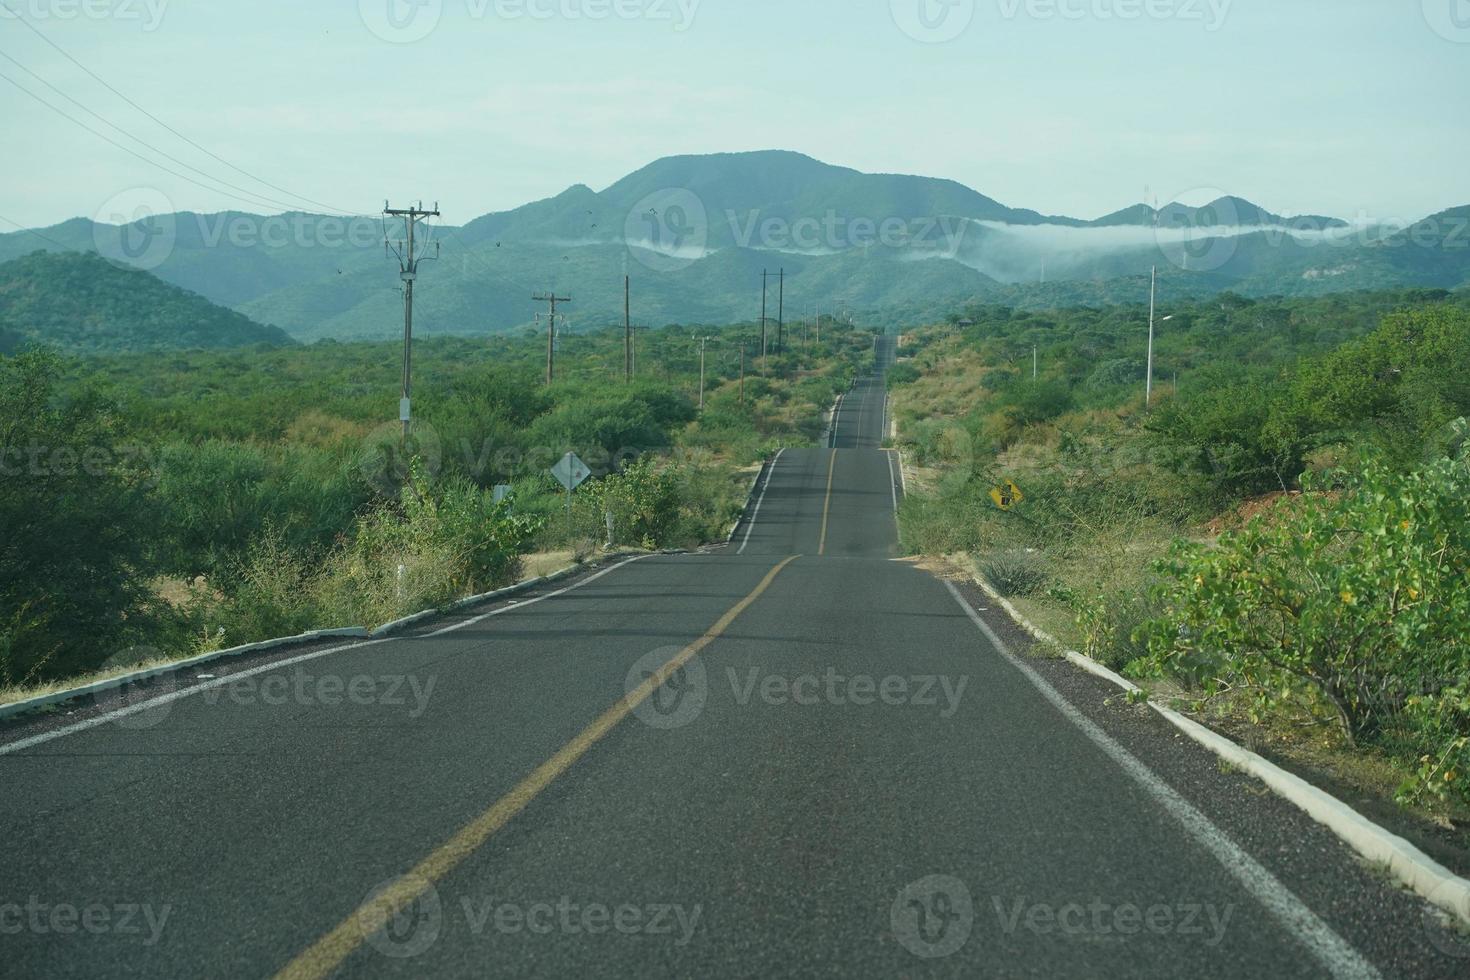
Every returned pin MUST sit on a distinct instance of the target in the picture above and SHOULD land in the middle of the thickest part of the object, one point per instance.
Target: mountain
(695, 232)
(83, 303)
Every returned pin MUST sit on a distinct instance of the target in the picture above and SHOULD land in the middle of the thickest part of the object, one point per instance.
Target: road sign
(571, 472)
(1007, 495)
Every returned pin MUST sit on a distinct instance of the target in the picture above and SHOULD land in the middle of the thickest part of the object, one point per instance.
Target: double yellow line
(327, 953)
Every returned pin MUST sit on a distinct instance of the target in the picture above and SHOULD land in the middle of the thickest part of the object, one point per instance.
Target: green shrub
(1015, 572)
(1358, 596)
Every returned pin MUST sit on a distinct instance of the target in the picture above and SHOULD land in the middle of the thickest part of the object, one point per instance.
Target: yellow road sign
(1007, 495)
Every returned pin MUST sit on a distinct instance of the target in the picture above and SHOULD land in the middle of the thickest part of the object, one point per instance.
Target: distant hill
(83, 303)
(695, 232)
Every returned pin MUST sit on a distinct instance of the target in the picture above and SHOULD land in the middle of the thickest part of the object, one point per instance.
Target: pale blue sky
(1348, 107)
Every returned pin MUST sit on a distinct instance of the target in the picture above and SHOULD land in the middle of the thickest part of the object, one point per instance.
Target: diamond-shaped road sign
(1007, 496)
(571, 472)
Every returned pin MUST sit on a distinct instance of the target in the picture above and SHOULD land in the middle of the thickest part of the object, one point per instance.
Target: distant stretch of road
(795, 755)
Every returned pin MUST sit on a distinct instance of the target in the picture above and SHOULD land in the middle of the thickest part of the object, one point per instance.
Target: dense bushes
(1355, 594)
(75, 550)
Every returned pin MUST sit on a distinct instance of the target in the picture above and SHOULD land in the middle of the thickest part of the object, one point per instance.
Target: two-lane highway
(791, 756)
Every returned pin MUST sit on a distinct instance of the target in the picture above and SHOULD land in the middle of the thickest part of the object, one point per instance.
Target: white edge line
(540, 598)
(1426, 876)
(758, 501)
(133, 677)
(749, 495)
(892, 485)
(1326, 946)
(133, 709)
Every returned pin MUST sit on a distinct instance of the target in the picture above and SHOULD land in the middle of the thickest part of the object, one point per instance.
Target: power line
(103, 82)
(250, 195)
(31, 231)
(126, 149)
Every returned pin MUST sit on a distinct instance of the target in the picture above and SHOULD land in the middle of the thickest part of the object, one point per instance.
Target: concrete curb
(387, 629)
(1420, 872)
(749, 496)
(87, 690)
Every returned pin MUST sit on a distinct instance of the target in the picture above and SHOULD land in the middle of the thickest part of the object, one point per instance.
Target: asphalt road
(792, 756)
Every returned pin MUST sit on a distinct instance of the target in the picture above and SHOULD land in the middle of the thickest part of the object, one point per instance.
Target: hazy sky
(1347, 107)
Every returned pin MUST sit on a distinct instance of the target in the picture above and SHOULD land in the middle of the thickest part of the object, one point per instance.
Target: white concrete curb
(749, 496)
(1407, 863)
(87, 690)
(398, 624)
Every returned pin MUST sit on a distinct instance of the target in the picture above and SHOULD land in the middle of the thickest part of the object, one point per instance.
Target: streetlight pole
(1148, 386)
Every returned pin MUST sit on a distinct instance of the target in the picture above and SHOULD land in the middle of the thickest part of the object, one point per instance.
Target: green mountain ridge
(83, 303)
(695, 232)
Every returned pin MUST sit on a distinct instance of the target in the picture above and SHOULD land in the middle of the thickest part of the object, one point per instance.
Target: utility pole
(627, 331)
(763, 322)
(742, 374)
(1148, 386)
(408, 255)
(702, 342)
(553, 299)
(1035, 363)
(781, 313)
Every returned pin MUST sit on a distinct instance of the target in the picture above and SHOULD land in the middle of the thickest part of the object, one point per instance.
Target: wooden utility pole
(553, 299)
(702, 342)
(764, 275)
(781, 313)
(627, 331)
(408, 271)
(742, 374)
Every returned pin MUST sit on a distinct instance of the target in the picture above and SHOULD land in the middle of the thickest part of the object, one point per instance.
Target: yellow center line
(327, 953)
(827, 505)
